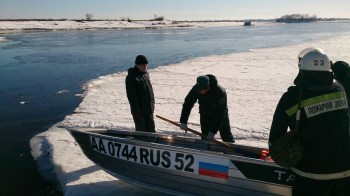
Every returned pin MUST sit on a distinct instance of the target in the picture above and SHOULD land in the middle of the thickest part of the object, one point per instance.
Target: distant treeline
(286, 19)
(77, 20)
(124, 19)
(88, 17)
(304, 18)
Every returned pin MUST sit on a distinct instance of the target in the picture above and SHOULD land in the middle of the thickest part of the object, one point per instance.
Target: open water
(42, 73)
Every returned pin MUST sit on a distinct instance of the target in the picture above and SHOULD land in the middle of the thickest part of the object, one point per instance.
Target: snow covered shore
(254, 82)
(22, 26)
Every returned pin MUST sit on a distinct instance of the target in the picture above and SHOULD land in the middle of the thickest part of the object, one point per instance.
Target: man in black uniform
(341, 72)
(323, 128)
(140, 95)
(212, 100)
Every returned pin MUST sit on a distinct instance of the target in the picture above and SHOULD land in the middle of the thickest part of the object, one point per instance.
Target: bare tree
(158, 18)
(88, 16)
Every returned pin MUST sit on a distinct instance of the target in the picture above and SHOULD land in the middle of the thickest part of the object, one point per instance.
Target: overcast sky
(171, 9)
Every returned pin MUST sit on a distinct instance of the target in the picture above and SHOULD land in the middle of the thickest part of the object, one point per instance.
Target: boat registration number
(168, 159)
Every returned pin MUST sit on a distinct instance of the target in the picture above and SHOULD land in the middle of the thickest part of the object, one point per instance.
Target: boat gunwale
(87, 133)
(97, 132)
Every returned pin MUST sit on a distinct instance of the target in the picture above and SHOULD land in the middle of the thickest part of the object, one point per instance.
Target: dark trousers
(309, 187)
(144, 123)
(225, 129)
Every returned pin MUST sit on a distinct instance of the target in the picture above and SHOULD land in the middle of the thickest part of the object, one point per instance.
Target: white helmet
(306, 50)
(315, 60)
(303, 52)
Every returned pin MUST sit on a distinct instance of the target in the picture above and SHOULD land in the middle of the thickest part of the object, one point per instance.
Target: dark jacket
(323, 127)
(345, 82)
(139, 91)
(212, 105)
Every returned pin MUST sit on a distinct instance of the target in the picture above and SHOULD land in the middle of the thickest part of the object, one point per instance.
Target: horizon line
(188, 20)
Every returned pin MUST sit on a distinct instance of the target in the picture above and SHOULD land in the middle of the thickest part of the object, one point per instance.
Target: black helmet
(141, 60)
(203, 82)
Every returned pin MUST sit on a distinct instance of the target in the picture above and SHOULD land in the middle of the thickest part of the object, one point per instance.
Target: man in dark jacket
(140, 95)
(323, 128)
(212, 100)
(341, 72)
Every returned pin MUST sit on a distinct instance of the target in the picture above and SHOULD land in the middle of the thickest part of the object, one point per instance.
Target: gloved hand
(183, 126)
(210, 136)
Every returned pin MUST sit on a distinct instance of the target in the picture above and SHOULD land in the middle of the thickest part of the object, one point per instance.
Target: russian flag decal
(213, 170)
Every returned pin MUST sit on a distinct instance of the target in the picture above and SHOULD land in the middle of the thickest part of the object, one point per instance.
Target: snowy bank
(20, 26)
(254, 82)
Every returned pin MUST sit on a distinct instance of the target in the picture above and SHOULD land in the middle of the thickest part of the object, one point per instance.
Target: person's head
(340, 69)
(306, 50)
(141, 63)
(315, 60)
(314, 69)
(203, 84)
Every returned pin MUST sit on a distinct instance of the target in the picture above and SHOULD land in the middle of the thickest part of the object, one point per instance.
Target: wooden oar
(196, 132)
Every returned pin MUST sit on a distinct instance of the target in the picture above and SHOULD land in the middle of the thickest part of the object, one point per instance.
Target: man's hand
(210, 136)
(183, 126)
